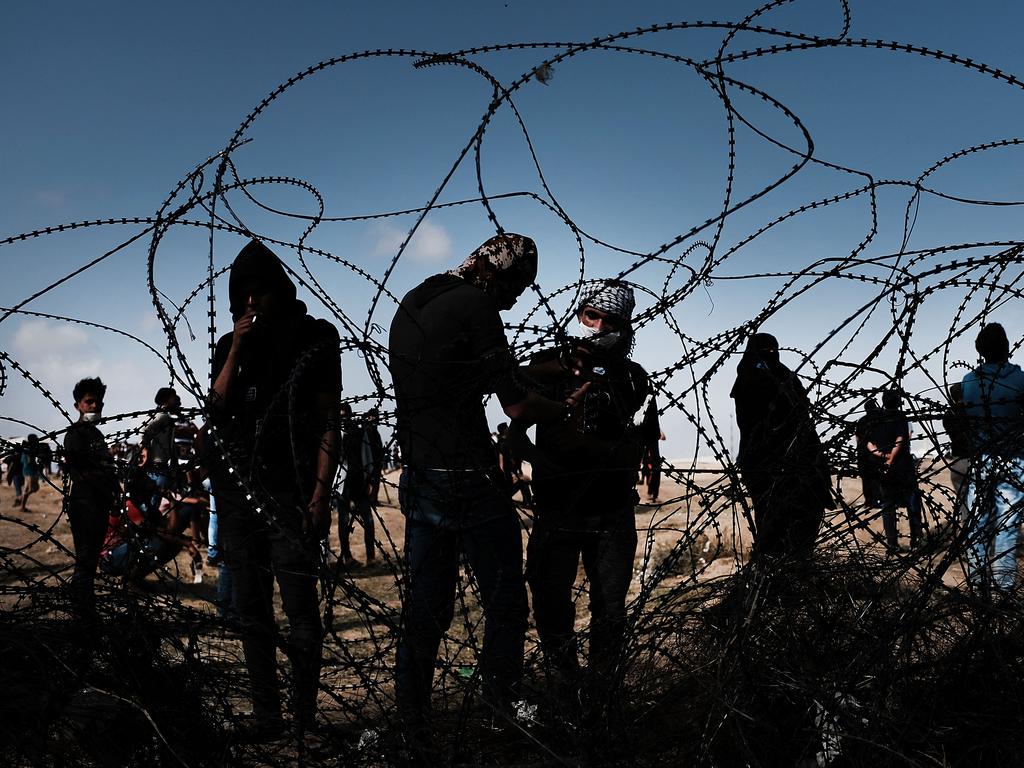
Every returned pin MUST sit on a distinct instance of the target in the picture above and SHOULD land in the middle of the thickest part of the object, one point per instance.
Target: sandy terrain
(38, 543)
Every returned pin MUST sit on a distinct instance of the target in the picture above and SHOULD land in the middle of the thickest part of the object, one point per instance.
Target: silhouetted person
(584, 482)
(650, 467)
(362, 462)
(15, 477)
(273, 405)
(780, 456)
(958, 428)
(93, 489)
(30, 468)
(889, 443)
(993, 394)
(447, 351)
(869, 467)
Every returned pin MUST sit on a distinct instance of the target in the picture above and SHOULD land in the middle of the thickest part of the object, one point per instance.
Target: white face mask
(91, 418)
(605, 340)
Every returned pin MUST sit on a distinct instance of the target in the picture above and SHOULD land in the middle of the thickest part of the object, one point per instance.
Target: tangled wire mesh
(856, 658)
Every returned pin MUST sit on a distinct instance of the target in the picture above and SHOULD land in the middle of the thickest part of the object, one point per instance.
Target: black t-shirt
(591, 467)
(447, 351)
(269, 421)
(88, 463)
(889, 426)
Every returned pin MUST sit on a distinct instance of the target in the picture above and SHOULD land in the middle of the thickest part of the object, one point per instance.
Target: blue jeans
(994, 501)
(163, 481)
(213, 536)
(448, 514)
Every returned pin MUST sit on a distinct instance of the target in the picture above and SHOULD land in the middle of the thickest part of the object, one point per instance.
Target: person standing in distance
(780, 459)
(993, 395)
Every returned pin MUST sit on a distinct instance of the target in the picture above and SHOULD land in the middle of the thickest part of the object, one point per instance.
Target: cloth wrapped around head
(510, 267)
(611, 296)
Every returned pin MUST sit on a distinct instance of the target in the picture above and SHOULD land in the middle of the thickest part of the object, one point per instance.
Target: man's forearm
(326, 463)
(222, 384)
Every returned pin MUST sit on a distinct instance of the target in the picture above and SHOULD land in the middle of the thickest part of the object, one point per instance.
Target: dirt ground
(694, 535)
(695, 505)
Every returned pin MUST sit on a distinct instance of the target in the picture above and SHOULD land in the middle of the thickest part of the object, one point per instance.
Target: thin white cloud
(38, 336)
(59, 354)
(430, 244)
(55, 354)
(51, 198)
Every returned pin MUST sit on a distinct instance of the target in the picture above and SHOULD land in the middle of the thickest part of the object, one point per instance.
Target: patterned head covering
(502, 252)
(611, 296)
(513, 267)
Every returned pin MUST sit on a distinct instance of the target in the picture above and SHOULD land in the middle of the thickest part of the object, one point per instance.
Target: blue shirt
(994, 400)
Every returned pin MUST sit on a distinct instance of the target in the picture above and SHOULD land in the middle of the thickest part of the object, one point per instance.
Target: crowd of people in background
(279, 454)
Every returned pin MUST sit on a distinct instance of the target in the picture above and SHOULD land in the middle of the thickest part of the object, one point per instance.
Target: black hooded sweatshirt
(777, 436)
(269, 421)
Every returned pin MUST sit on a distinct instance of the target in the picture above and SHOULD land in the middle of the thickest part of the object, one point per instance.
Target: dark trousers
(787, 514)
(553, 557)
(364, 512)
(256, 551)
(88, 530)
(912, 501)
(448, 514)
(650, 472)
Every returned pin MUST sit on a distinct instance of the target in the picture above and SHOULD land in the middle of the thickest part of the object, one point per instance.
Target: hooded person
(993, 398)
(584, 487)
(780, 459)
(272, 454)
(447, 351)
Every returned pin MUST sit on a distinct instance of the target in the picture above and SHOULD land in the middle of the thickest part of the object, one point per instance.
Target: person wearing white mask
(584, 482)
(92, 493)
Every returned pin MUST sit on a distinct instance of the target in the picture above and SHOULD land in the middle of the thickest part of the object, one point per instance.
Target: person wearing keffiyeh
(584, 483)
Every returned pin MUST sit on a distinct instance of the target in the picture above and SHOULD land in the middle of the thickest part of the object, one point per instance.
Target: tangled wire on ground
(860, 660)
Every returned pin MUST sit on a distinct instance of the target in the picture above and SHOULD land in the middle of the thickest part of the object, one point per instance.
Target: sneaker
(368, 739)
(524, 712)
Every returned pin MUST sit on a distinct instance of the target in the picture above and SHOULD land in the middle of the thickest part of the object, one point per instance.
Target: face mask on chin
(91, 418)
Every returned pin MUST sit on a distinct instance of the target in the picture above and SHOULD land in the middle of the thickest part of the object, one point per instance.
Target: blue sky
(109, 105)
